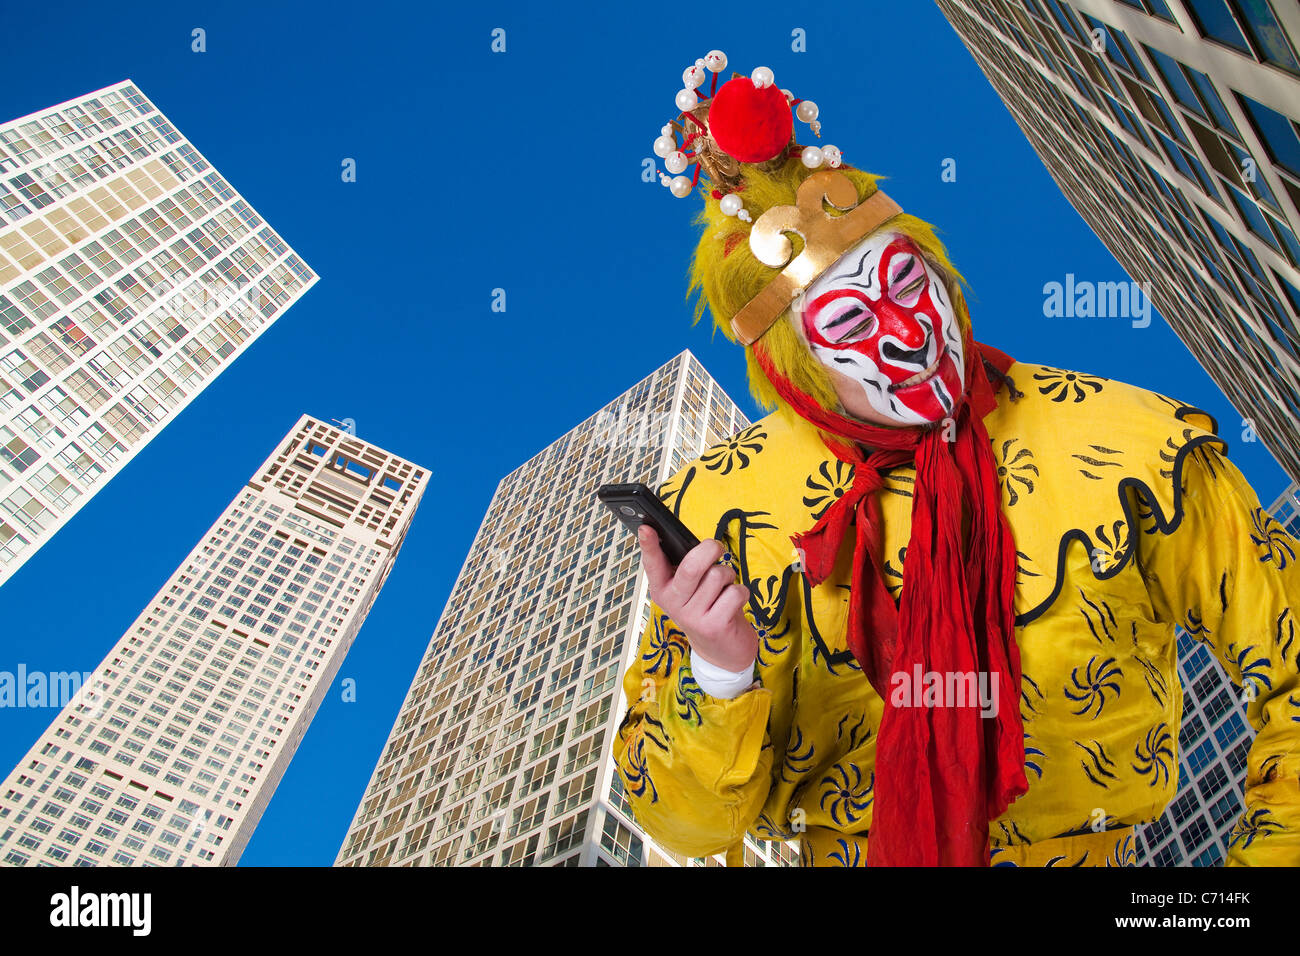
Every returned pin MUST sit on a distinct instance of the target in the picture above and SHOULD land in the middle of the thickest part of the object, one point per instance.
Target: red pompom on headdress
(751, 123)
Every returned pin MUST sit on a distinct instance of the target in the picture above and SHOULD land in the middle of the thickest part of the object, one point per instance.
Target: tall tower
(1170, 125)
(196, 712)
(501, 754)
(131, 275)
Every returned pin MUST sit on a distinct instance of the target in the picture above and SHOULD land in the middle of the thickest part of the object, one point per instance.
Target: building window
(1168, 855)
(620, 842)
(1201, 757)
(1182, 808)
(1230, 731)
(1213, 781)
(1277, 132)
(1225, 810)
(1195, 833)
(1212, 855)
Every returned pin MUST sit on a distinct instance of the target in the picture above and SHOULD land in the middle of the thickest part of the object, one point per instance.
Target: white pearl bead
(832, 156)
(806, 111)
(675, 161)
(664, 145)
(692, 77)
(787, 94)
(762, 77)
(743, 215)
(680, 187)
(687, 100)
(812, 157)
(716, 61)
(730, 204)
(699, 62)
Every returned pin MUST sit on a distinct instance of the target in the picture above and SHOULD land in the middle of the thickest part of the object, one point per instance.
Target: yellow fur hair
(725, 283)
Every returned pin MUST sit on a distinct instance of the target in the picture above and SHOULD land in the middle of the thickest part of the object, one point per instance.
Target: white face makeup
(882, 316)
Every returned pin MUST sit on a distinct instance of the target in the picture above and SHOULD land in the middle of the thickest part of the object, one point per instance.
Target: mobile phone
(635, 504)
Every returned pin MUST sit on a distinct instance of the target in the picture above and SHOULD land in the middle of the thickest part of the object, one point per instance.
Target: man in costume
(931, 620)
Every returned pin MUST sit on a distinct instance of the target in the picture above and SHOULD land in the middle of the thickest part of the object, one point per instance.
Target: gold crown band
(825, 239)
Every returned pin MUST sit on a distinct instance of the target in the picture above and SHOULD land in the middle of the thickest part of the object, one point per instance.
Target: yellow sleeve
(1229, 575)
(696, 769)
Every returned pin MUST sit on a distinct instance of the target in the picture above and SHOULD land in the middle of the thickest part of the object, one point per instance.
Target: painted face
(883, 317)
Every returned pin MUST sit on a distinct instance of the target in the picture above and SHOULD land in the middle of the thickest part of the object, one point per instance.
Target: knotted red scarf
(942, 772)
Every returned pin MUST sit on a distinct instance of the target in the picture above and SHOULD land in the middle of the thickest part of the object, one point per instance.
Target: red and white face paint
(882, 316)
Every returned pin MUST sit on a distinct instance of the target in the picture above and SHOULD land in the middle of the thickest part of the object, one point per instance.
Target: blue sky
(478, 171)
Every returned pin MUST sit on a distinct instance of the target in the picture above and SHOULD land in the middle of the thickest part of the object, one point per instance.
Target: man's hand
(704, 599)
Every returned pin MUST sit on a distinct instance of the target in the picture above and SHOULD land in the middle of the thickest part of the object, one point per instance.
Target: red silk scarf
(942, 772)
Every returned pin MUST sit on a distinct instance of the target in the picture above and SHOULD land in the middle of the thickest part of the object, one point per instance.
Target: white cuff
(719, 682)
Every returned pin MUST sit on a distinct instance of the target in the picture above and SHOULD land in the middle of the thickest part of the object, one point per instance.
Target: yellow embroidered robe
(1127, 521)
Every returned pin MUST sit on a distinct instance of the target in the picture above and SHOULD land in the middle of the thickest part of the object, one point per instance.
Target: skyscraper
(197, 710)
(131, 275)
(1170, 125)
(501, 753)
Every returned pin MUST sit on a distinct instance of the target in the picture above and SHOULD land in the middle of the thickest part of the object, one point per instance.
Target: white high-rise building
(193, 717)
(502, 752)
(131, 275)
